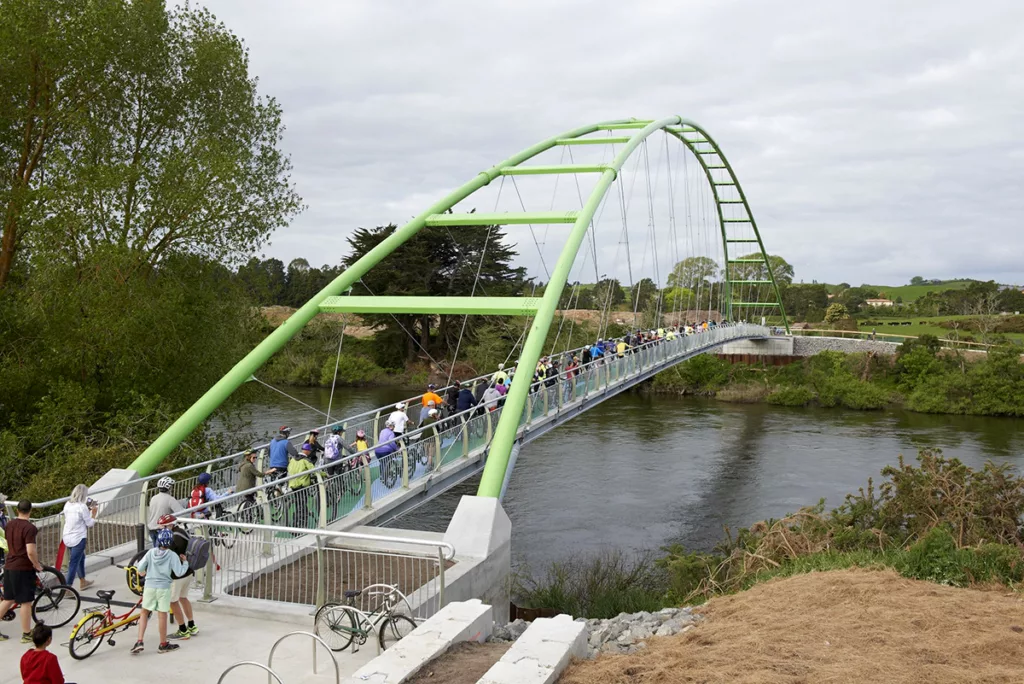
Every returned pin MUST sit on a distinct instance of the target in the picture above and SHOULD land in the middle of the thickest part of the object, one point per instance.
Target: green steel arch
(543, 309)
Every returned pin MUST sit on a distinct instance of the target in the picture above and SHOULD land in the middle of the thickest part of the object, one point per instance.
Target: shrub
(352, 370)
(791, 395)
(598, 585)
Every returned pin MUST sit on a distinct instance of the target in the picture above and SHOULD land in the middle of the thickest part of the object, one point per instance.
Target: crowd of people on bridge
(438, 410)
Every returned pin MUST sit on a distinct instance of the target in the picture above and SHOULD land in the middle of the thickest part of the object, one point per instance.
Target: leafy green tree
(780, 268)
(1010, 299)
(164, 146)
(677, 299)
(836, 312)
(799, 299)
(263, 280)
(917, 280)
(608, 294)
(641, 294)
(693, 270)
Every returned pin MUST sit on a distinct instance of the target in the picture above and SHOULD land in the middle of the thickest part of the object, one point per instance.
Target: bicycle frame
(114, 621)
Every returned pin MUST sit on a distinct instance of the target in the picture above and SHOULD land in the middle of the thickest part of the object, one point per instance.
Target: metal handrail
(270, 658)
(270, 673)
(358, 536)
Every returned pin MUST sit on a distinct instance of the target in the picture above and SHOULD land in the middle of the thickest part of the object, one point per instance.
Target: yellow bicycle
(99, 626)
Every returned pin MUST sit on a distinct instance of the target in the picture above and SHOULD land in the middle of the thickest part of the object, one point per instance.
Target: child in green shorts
(157, 566)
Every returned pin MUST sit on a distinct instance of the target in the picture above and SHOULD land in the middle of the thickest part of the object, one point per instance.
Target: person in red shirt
(39, 666)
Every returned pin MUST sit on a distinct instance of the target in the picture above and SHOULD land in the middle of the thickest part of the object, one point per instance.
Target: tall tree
(608, 294)
(182, 155)
(692, 271)
(641, 294)
(56, 63)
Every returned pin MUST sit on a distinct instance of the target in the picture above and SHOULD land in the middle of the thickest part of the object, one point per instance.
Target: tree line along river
(642, 471)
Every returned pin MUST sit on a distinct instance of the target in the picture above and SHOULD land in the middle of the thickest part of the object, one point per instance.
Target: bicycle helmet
(361, 434)
(390, 424)
(285, 430)
(164, 538)
(204, 478)
(400, 406)
(248, 452)
(314, 432)
(165, 483)
(337, 429)
(166, 520)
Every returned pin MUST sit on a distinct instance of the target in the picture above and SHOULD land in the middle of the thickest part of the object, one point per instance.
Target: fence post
(490, 427)
(321, 487)
(376, 425)
(465, 436)
(268, 535)
(440, 578)
(405, 466)
(368, 486)
(211, 565)
(321, 594)
(143, 503)
(437, 448)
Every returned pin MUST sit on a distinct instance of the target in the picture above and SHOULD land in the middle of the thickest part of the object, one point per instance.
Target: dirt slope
(835, 627)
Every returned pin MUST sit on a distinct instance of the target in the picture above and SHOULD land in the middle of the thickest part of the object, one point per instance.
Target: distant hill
(911, 292)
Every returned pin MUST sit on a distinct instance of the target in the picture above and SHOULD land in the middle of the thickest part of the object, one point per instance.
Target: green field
(911, 292)
(920, 325)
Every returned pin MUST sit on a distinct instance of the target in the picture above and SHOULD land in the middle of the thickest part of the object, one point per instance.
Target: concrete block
(460, 621)
(541, 654)
(481, 533)
(478, 527)
(116, 476)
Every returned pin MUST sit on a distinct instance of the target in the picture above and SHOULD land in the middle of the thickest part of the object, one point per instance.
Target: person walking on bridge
(281, 449)
(500, 376)
(79, 516)
(20, 569)
(160, 505)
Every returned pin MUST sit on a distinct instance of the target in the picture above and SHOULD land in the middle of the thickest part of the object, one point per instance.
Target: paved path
(224, 639)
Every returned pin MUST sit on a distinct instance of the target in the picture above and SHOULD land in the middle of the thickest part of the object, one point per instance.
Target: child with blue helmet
(157, 566)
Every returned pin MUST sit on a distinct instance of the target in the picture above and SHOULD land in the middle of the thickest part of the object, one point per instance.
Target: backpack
(197, 553)
(198, 496)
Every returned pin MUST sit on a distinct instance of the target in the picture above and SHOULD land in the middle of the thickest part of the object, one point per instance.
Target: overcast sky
(876, 140)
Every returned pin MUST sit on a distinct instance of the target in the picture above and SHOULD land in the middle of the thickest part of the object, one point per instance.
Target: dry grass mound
(831, 628)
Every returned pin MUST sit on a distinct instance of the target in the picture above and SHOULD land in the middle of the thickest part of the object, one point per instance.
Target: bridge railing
(888, 337)
(358, 482)
(311, 567)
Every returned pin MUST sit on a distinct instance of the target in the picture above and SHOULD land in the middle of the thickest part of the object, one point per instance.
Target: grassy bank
(920, 377)
(935, 520)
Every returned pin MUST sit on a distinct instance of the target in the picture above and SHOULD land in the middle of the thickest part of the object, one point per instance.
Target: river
(640, 471)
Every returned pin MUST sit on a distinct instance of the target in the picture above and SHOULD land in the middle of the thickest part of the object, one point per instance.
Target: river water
(639, 472)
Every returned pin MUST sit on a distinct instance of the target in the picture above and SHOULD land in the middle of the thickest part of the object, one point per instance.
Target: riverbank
(842, 626)
(919, 377)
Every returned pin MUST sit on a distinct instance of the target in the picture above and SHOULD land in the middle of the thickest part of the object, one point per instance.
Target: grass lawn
(920, 325)
(911, 292)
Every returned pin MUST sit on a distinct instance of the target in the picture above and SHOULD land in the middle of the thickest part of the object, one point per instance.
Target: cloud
(876, 140)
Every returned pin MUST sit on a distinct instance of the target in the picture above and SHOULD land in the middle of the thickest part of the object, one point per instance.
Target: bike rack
(270, 673)
(270, 658)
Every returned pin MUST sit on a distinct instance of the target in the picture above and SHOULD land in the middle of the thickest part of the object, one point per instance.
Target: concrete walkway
(224, 639)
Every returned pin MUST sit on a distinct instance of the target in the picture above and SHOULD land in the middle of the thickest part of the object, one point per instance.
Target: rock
(625, 637)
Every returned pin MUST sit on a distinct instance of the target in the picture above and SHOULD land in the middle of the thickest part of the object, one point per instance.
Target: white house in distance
(879, 303)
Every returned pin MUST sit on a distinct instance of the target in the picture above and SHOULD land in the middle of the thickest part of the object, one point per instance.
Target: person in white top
(79, 516)
(399, 418)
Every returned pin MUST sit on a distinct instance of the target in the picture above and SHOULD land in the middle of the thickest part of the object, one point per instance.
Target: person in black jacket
(466, 400)
(451, 399)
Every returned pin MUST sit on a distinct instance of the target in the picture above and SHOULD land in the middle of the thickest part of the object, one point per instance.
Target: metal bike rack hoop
(270, 673)
(315, 638)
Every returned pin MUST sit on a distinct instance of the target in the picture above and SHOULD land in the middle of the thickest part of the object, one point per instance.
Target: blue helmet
(164, 538)
(204, 478)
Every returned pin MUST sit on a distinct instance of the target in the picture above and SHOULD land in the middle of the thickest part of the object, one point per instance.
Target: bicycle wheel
(84, 637)
(247, 514)
(418, 452)
(393, 629)
(388, 471)
(276, 509)
(354, 482)
(226, 538)
(49, 577)
(336, 624)
(56, 606)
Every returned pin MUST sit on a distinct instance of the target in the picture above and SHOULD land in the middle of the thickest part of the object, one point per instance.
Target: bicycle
(94, 628)
(342, 624)
(55, 603)
(390, 468)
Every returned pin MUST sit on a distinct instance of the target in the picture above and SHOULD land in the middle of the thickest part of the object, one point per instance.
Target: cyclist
(336, 449)
(429, 400)
(202, 494)
(501, 376)
(281, 449)
(315, 447)
(247, 474)
(160, 505)
(399, 419)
